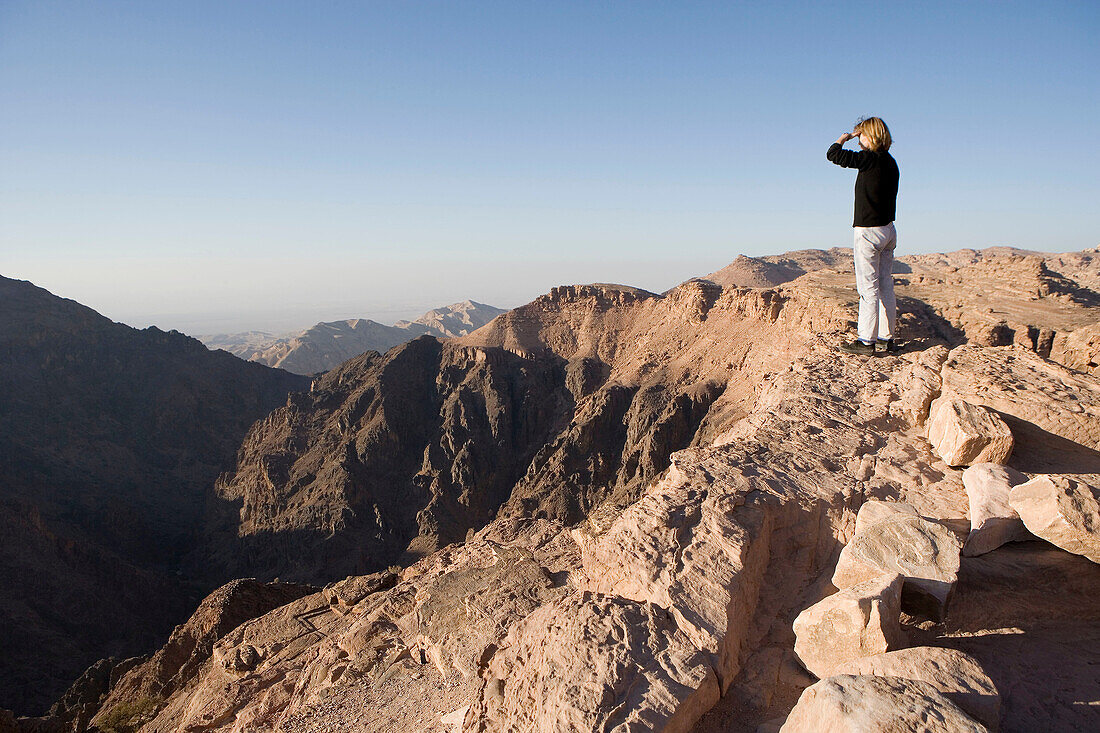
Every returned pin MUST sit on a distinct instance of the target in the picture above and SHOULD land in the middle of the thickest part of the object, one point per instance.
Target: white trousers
(874, 254)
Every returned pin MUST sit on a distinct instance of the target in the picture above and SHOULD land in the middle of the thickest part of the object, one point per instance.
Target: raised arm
(846, 158)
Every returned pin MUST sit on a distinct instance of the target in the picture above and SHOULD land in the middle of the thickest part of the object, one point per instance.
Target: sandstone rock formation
(1046, 405)
(1079, 349)
(964, 434)
(926, 554)
(192, 643)
(861, 621)
(1061, 510)
(687, 497)
(956, 675)
(920, 384)
(555, 408)
(755, 272)
(993, 521)
(396, 653)
(555, 668)
(869, 704)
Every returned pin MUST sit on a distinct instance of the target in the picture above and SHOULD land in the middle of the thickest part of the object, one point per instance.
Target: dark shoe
(887, 346)
(858, 347)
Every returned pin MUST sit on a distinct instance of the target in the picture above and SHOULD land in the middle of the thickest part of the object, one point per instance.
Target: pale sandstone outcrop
(1062, 511)
(555, 668)
(868, 704)
(963, 434)
(874, 511)
(710, 584)
(1040, 400)
(190, 646)
(860, 621)
(925, 553)
(398, 657)
(956, 674)
(993, 521)
(919, 384)
(1079, 349)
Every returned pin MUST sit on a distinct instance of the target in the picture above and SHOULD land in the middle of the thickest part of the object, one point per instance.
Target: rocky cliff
(618, 510)
(554, 409)
(110, 439)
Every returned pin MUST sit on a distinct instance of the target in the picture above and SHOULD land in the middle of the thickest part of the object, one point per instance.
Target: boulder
(860, 621)
(595, 662)
(920, 385)
(964, 434)
(1062, 511)
(874, 511)
(993, 521)
(925, 553)
(868, 704)
(1078, 349)
(957, 675)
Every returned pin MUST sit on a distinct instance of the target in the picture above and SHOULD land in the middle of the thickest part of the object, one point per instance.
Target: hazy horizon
(299, 315)
(223, 167)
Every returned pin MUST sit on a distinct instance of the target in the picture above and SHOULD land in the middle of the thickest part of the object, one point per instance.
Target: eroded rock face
(1062, 511)
(860, 621)
(1053, 412)
(955, 674)
(396, 656)
(926, 554)
(385, 451)
(1079, 349)
(920, 385)
(868, 704)
(191, 644)
(993, 521)
(555, 669)
(721, 550)
(576, 399)
(964, 434)
(76, 708)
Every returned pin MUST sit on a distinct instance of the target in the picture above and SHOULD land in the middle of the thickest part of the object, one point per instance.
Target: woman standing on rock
(875, 237)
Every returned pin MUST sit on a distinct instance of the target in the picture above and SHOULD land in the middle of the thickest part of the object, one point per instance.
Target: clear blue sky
(214, 166)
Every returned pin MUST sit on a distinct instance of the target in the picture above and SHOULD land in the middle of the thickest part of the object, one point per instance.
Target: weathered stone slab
(867, 704)
(964, 434)
(591, 661)
(860, 621)
(925, 553)
(993, 521)
(689, 546)
(1062, 511)
(874, 511)
(956, 674)
(920, 385)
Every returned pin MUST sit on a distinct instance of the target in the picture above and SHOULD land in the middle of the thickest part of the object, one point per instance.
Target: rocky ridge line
(683, 592)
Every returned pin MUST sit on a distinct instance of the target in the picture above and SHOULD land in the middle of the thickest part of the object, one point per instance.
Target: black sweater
(876, 184)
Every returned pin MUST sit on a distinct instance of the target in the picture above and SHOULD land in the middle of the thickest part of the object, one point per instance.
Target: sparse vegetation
(128, 717)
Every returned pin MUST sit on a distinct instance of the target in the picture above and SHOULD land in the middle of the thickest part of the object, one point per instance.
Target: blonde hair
(876, 131)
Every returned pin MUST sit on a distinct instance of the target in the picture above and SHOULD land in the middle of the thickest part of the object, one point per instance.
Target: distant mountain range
(326, 345)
